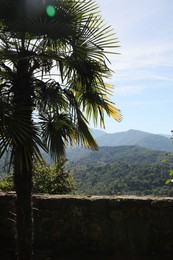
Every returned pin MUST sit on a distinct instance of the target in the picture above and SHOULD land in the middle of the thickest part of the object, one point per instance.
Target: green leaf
(168, 181)
(171, 172)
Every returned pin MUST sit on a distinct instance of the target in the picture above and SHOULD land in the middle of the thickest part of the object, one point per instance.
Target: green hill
(112, 154)
(122, 178)
(122, 170)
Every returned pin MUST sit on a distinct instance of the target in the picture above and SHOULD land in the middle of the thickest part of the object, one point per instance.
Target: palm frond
(17, 130)
(57, 130)
(84, 136)
(49, 95)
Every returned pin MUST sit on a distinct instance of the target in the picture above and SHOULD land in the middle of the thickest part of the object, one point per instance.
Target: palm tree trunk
(23, 155)
(23, 186)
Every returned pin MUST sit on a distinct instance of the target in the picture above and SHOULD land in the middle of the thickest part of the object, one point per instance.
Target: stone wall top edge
(7, 194)
(93, 197)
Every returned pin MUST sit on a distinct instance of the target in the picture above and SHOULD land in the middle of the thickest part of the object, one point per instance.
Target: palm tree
(53, 69)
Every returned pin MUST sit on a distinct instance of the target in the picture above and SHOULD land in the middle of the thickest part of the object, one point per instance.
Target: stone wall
(136, 226)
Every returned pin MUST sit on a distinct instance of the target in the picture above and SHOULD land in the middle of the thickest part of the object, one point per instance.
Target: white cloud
(128, 90)
(144, 55)
(148, 61)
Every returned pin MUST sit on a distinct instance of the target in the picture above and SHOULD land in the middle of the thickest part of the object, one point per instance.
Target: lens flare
(50, 10)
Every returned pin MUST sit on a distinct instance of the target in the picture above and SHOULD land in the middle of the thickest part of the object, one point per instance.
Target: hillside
(122, 170)
(122, 178)
(112, 154)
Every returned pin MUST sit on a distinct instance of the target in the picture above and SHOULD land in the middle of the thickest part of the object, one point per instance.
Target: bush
(53, 179)
(6, 182)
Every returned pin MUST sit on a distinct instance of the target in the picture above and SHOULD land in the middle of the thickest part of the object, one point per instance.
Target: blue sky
(143, 78)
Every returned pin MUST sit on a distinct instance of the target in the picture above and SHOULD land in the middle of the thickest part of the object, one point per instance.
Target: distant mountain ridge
(114, 154)
(134, 137)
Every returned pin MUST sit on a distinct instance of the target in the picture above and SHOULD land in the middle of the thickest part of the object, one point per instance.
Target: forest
(122, 170)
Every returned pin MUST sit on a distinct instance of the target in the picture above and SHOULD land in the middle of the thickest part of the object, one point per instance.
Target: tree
(53, 179)
(52, 82)
(170, 180)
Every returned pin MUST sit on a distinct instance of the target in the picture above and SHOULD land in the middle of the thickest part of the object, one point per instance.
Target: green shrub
(53, 179)
(6, 182)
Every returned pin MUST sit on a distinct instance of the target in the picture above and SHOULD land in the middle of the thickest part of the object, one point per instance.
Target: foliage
(6, 182)
(170, 180)
(122, 178)
(122, 170)
(170, 157)
(53, 179)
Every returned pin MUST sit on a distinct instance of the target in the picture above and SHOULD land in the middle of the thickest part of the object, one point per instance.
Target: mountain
(135, 137)
(97, 133)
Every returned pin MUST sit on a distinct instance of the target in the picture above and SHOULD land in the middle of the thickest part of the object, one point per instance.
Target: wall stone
(136, 226)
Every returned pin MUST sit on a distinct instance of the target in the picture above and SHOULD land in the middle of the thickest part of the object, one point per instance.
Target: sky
(143, 72)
